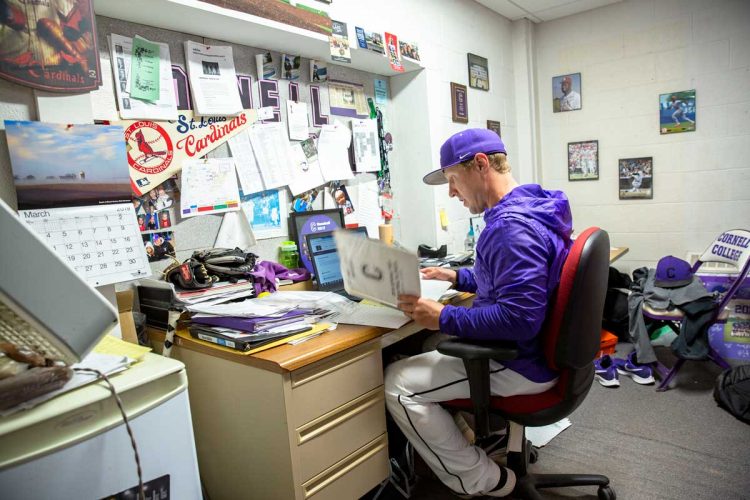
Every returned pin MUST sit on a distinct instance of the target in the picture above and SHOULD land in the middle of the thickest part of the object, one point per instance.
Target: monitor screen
(325, 258)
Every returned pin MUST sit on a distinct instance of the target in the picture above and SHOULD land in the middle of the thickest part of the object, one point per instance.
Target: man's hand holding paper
(426, 312)
(375, 271)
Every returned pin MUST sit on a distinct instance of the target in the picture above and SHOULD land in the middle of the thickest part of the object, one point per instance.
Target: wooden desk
(296, 420)
(617, 252)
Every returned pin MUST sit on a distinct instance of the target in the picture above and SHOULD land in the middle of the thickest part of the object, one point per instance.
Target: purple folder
(254, 324)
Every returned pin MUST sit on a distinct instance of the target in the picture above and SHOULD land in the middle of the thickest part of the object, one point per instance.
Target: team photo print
(636, 178)
(583, 161)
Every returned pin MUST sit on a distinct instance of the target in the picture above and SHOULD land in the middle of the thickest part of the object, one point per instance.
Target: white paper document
(296, 116)
(333, 153)
(271, 148)
(246, 164)
(209, 187)
(121, 48)
(306, 173)
(235, 232)
(367, 206)
(375, 271)
(366, 145)
(266, 113)
(369, 315)
(213, 81)
(541, 436)
(433, 289)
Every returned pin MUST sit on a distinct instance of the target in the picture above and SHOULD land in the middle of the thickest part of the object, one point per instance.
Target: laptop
(326, 262)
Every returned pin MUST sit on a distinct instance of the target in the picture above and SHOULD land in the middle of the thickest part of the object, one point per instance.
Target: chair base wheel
(534, 455)
(606, 493)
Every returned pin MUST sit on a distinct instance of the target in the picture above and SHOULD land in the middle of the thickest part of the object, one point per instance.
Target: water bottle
(470, 240)
(289, 255)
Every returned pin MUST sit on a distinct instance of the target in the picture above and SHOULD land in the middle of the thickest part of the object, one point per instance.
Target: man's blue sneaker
(605, 372)
(640, 374)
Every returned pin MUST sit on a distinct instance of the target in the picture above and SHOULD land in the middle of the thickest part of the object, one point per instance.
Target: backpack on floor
(615, 316)
(732, 391)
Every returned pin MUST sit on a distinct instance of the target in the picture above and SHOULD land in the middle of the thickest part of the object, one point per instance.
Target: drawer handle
(325, 423)
(325, 478)
(317, 374)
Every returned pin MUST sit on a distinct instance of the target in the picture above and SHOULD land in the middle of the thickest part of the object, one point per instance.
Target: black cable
(142, 492)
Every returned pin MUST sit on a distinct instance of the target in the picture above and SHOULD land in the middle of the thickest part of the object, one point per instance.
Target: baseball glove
(227, 264)
(190, 275)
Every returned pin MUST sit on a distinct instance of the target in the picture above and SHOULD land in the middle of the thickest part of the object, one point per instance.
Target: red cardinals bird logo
(146, 148)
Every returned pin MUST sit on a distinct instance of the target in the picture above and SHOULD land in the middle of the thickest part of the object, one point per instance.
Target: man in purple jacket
(518, 262)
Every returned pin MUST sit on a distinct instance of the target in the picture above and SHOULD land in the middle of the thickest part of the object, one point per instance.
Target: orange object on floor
(608, 344)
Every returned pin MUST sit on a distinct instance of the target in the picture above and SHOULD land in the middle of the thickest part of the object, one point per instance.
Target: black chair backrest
(572, 333)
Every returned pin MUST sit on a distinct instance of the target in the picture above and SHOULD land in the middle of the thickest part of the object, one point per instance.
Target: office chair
(730, 247)
(570, 338)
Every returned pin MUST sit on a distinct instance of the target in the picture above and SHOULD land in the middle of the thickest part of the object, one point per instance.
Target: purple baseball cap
(462, 147)
(672, 272)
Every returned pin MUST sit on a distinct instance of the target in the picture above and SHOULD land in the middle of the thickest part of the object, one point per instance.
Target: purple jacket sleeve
(515, 304)
(465, 281)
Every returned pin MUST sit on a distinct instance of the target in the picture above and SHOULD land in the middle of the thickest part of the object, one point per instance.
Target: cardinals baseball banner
(157, 149)
(49, 45)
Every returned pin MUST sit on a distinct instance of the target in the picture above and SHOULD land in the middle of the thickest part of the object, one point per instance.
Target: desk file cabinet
(263, 432)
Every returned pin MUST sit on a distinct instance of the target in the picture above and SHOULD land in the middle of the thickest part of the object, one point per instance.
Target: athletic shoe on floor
(504, 486)
(606, 372)
(640, 374)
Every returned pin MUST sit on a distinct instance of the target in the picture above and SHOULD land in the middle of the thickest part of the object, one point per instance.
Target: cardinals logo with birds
(149, 147)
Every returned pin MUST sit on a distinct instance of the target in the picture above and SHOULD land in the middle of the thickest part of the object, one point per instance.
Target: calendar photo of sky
(56, 165)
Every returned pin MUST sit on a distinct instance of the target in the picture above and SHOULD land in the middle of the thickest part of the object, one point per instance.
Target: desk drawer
(326, 385)
(338, 433)
(353, 476)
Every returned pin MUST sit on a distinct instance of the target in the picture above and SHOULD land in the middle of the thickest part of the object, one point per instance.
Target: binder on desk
(315, 329)
(254, 324)
(241, 341)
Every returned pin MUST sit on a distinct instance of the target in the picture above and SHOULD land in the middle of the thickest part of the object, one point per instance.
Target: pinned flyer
(209, 187)
(213, 81)
(393, 53)
(339, 42)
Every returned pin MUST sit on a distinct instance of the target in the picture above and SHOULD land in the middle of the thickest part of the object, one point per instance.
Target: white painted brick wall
(629, 53)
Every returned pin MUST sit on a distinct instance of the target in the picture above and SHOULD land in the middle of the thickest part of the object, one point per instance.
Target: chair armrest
(476, 356)
(468, 349)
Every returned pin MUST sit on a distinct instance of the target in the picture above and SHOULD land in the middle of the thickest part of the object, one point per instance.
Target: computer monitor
(325, 259)
(44, 304)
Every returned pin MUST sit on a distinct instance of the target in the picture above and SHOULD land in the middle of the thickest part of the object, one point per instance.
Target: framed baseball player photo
(677, 112)
(479, 73)
(566, 93)
(636, 178)
(583, 161)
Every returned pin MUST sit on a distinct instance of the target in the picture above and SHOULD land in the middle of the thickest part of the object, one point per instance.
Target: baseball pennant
(157, 149)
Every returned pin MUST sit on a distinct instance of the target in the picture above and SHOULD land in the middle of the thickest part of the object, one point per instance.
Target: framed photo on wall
(677, 112)
(566, 93)
(495, 127)
(636, 178)
(459, 103)
(479, 72)
(583, 161)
